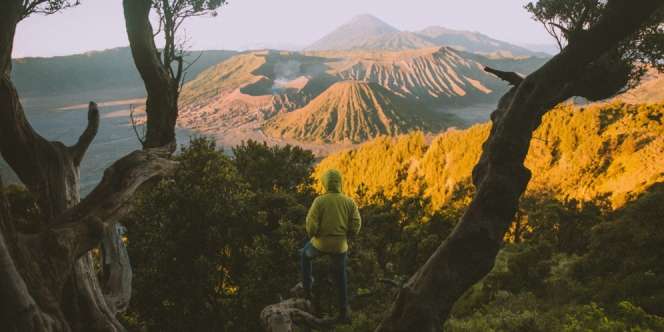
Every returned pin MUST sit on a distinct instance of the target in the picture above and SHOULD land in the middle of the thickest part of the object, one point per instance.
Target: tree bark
(162, 88)
(44, 275)
(18, 309)
(468, 254)
(48, 276)
(117, 275)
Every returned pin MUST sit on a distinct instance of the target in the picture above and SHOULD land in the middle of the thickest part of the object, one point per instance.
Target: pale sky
(99, 24)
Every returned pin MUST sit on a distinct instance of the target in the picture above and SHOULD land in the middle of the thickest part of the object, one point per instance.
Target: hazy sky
(99, 24)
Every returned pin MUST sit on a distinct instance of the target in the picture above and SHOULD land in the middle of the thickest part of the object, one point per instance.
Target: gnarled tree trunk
(468, 254)
(39, 269)
(47, 278)
(162, 88)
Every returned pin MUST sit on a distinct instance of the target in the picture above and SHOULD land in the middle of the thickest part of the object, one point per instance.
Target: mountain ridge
(353, 111)
(95, 70)
(367, 32)
(251, 88)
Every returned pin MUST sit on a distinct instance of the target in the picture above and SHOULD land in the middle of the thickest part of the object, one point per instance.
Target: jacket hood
(332, 181)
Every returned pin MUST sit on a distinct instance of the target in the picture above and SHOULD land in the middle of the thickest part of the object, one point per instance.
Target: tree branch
(178, 74)
(17, 138)
(508, 76)
(78, 150)
(109, 201)
(564, 30)
(134, 125)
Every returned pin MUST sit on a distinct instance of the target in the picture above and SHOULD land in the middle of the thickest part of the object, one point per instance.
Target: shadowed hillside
(106, 70)
(354, 111)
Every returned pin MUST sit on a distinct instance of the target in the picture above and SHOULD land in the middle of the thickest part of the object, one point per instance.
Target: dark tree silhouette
(47, 278)
(500, 178)
(162, 72)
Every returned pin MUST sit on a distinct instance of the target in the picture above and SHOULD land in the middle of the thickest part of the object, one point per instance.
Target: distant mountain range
(363, 80)
(340, 96)
(107, 70)
(366, 32)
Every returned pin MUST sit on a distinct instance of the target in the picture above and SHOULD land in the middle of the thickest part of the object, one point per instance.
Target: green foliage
(624, 256)
(209, 249)
(525, 312)
(586, 257)
(611, 283)
(186, 242)
(291, 166)
(218, 242)
(567, 20)
(590, 153)
(592, 317)
(46, 6)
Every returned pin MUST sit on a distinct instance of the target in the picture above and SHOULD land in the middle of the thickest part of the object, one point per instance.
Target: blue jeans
(308, 253)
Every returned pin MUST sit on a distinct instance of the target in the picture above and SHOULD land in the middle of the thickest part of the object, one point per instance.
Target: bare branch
(46, 7)
(561, 28)
(159, 29)
(78, 150)
(108, 201)
(178, 74)
(193, 62)
(508, 76)
(134, 125)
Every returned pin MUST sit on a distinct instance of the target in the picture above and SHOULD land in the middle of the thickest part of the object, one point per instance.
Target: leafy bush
(210, 250)
(187, 241)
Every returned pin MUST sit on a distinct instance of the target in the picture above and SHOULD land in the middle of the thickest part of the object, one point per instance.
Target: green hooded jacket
(333, 217)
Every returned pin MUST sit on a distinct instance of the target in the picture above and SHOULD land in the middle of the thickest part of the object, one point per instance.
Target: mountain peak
(370, 20)
(368, 32)
(354, 33)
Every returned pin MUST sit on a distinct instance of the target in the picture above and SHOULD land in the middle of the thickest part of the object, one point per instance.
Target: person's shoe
(344, 317)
